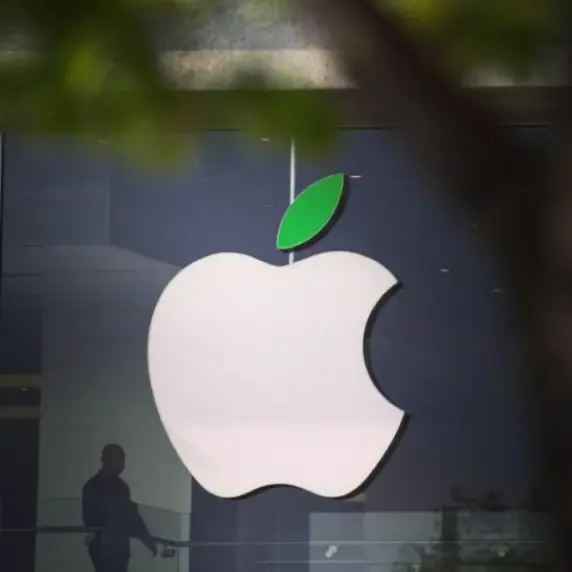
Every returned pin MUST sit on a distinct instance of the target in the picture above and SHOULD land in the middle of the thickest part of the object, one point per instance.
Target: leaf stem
(292, 186)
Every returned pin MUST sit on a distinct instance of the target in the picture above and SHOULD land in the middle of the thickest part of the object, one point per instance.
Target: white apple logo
(259, 376)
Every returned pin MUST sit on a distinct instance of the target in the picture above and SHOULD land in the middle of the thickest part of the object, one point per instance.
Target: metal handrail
(86, 530)
(335, 542)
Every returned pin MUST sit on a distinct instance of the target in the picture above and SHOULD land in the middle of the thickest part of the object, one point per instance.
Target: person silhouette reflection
(107, 506)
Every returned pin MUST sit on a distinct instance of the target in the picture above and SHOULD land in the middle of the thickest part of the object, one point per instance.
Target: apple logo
(258, 371)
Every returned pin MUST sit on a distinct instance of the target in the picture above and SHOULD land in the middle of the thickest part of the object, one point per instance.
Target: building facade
(89, 244)
(90, 241)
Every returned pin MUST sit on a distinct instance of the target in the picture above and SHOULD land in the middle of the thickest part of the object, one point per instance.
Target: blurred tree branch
(525, 197)
(93, 70)
(459, 141)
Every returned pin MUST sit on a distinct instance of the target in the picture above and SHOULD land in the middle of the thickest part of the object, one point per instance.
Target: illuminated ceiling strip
(208, 69)
(20, 412)
(311, 68)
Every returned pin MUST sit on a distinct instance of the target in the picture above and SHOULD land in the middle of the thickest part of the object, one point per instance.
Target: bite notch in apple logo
(258, 371)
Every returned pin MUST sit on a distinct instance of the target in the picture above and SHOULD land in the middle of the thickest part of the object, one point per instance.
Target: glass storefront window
(89, 243)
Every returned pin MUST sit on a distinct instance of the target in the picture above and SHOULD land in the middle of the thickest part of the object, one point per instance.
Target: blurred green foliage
(512, 37)
(91, 68)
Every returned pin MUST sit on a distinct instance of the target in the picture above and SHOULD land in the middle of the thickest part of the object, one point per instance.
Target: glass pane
(90, 243)
(441, 347)
(60, 541)
(442, 350)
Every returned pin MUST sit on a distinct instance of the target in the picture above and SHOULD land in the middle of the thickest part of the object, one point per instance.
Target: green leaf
(310, 212)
